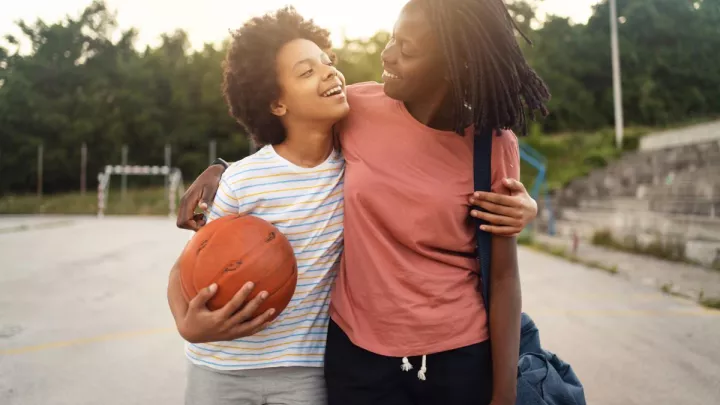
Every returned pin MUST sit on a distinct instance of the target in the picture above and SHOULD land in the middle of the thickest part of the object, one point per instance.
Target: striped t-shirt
(306, 204)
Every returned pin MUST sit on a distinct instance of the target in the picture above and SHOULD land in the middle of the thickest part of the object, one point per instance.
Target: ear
(278, 108)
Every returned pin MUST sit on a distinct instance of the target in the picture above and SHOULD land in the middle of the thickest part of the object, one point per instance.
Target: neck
(306, 145)
(434, 111)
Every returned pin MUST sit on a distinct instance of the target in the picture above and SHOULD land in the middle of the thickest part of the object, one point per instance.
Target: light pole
(617, 85)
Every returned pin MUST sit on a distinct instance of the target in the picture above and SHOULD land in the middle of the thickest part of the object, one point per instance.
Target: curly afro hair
(250, 82)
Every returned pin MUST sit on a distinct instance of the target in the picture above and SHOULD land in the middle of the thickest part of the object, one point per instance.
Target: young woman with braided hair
(408, 325)
(407, 287)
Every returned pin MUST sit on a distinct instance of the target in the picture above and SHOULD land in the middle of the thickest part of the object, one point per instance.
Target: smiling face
(413, 61)
(311, 88)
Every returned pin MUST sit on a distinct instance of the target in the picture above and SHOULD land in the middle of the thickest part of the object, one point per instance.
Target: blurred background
(624, 258)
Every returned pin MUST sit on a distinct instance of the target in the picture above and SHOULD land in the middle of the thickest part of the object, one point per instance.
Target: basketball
(233, 250)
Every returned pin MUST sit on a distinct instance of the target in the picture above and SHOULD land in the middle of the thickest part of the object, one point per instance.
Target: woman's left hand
(507, 215)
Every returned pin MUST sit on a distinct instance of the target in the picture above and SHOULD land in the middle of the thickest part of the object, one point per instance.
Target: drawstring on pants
(406, 366)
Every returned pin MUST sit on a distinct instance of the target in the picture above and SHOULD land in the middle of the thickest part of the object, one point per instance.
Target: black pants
(355, 376)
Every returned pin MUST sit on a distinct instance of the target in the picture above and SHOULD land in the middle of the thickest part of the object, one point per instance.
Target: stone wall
(702, 133)
(666, 194)
(644, 175)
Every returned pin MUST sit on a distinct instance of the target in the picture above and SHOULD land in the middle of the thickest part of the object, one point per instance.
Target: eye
(406, 50)
(307, 73)
(401, 45)
(327, 60)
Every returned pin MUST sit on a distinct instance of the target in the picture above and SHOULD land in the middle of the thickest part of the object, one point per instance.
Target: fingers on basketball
(236, 302)
(253, 326)
(199, 302)
(250, 309)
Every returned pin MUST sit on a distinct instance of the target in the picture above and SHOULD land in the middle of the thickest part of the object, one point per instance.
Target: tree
(84, 81)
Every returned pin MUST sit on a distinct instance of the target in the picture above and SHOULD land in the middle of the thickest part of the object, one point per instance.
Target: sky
(211, 21)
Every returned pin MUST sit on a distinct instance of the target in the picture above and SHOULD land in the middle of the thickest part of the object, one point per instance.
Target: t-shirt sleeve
(229, 199)
(505, 160)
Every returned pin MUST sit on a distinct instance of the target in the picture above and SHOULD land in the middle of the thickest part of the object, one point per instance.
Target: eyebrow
(311, 60)
(306, 60)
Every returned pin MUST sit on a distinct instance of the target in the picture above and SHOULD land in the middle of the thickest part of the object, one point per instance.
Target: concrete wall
(695, 134)
(667, 193)
(698, 237)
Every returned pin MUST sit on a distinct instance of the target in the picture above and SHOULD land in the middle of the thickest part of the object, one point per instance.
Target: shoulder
(360, 92)
(505, 147)
(249, 167)
(505, 139)
(365, 88)
(366, 99)
(505, 159)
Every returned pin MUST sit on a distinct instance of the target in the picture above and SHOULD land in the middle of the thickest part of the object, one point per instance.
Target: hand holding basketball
(232, 321)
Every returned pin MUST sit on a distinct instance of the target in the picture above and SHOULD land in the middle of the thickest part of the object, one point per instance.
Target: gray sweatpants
(272, 386)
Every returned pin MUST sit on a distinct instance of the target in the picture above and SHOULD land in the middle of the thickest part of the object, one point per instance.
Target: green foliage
(359, 59)
(79, 84)
(668, 52)
(575, 154)
(144, 201)
(85, 81)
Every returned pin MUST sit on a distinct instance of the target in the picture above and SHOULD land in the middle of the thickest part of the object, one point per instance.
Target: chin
(393, 92)
(344, 112)
(338, 114)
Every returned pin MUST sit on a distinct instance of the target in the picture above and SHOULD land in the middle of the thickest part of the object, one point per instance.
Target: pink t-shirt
(407, 283)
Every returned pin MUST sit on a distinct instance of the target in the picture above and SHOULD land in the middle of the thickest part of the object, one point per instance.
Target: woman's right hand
(200, 195)
(233, 321)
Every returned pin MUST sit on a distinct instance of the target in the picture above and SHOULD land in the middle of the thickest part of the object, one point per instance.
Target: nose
(330, 73)
(388, 55)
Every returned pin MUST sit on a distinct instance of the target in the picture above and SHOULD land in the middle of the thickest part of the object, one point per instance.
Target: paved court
(84, 320)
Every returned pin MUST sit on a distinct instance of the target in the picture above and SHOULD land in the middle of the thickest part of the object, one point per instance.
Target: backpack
(542, 377)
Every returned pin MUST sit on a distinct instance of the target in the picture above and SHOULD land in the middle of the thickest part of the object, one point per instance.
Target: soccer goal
(175, 187)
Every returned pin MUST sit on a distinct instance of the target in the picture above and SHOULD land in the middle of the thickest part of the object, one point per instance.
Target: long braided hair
(490, 79)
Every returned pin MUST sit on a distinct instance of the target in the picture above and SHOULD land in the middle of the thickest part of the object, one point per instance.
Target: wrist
(220, 162)
(503, 400)
(188, 334)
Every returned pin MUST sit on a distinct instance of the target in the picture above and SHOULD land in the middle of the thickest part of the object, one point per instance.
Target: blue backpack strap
(482, 169)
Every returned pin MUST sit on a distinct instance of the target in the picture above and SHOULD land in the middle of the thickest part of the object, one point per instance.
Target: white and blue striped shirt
(306, 204)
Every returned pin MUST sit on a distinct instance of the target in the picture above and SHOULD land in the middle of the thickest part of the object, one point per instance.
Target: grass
(713, 303)
(576, 154)
(561, 252)
(707, 302)
(145, 201)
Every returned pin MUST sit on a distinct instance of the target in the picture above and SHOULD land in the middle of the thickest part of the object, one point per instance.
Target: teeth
(333, 91)
(389, 75)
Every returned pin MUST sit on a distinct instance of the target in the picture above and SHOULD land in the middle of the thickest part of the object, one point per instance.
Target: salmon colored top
(407, 283)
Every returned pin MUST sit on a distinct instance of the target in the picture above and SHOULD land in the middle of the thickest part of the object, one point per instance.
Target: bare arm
(505, 308)
(178, 305)
(200, 194)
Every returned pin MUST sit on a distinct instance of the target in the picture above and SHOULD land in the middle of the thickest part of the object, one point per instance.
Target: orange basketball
(232, 250)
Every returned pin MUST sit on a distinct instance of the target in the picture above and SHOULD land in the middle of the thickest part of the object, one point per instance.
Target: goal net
(174, 183)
